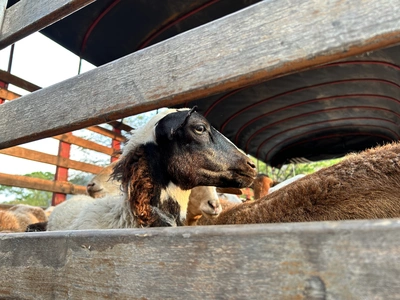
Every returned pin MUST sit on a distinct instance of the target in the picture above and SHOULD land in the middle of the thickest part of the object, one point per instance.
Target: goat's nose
(90, 186)
(251, 164)
(213, 204)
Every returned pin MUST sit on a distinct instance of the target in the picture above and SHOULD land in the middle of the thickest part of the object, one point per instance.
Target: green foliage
(291, 170)
(36, 197)
(29, 196)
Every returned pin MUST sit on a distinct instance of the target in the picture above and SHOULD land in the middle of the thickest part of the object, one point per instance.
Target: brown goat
(18, 217)
(362, 186)
(261, 186)
(102, 185)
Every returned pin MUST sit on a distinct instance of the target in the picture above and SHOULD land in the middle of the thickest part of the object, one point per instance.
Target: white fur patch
(147, 133)
(179, 195)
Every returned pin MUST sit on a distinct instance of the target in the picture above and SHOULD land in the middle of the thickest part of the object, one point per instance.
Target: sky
(41, 61)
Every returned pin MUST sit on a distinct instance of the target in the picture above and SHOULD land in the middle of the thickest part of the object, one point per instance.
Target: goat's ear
(122, 170)
(174, 130)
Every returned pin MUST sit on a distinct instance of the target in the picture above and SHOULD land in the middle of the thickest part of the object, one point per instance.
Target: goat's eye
(199, 129)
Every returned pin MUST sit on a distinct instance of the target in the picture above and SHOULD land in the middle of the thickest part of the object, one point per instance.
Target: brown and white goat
(362, 186)
(174, 152)
(18, 217)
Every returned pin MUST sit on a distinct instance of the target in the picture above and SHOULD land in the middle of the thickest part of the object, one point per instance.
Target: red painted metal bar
(64, 150)
(304, 102)
(116, 145)
(379, 63)
(94, 24)
(332, 121)
(364, 107)
(148, 40)
(3, 85)
(331, 136)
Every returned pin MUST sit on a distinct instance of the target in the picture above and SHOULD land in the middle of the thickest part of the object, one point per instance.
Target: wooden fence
(60, 186)
(332, 260)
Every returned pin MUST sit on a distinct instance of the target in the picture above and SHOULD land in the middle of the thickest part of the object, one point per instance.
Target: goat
(286, 182)
(174, 152)
(102, 185)
(99, 186)
(362, 186)
(18, 217)
(261, 186)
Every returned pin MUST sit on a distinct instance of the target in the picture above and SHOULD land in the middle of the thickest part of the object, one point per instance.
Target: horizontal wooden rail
(19, 82)
(8, 95)
(107, 133)
(26, 17)
(51, 159)
(41, 184)
(318, 260)
(85, 144)
(263, 41)
(8, 206)
(121, 126)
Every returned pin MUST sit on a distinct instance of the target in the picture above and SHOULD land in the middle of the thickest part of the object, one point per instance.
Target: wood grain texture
(107, 133)
(121, 126)
(84, 143)
(263, 41)
(8, 95)
(27, 17)
(41, 184)
(319, 260)
(3, 6)
(17, 81)
(51, 159)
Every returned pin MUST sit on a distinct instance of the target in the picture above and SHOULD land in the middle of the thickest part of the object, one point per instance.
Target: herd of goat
(172, 170)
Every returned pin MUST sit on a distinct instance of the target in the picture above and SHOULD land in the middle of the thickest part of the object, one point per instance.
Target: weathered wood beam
(19, 82)
(26, 17)
(8, 95)
(120, 125)
(3, 7)
(41, 184)
(263, 41)
(51, 159)
(107, 133)
(318, 260)
(84, 143)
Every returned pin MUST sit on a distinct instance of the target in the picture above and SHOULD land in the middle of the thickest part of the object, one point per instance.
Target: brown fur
(201, 220)
(261, 186)
(363, 186)
(133, 173)
(18, 217)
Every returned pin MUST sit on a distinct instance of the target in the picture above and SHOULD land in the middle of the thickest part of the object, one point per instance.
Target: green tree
(290, 170)
(29, 196)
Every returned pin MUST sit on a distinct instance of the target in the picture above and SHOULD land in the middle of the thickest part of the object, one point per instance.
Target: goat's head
(178, 147)
(203, 200)
(101, 184)
(197, 154)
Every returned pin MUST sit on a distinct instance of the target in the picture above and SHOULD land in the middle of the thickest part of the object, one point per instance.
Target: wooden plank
(107, 133)
(84, 143)
(41, 184)
(51, 159)
(19, 82)
(3, 6)
(8, 95)
(122, 126)
(318, 260)
(26, 17)
(8, 206)
(263, 41)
